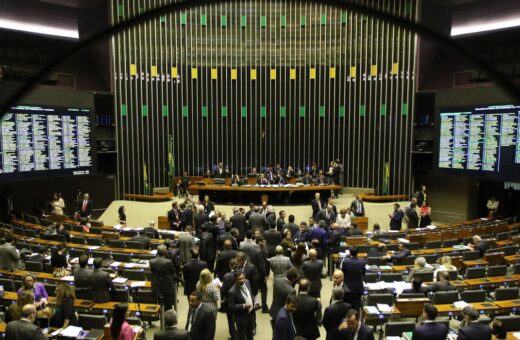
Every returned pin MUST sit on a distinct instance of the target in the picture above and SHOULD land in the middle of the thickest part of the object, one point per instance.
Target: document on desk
(371, 310)
(129, 265)
(516, 335)
(71, 331)
(115, 264)
(120, 280)
(67, 278)
(384, 308)
(134, 284)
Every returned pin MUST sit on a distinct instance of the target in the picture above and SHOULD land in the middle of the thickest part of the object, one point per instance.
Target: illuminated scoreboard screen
(483, 141)
(43, 141)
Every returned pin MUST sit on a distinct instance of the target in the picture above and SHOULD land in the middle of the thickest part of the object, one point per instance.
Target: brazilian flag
(171, 164)
(145, 179)
(386, 178)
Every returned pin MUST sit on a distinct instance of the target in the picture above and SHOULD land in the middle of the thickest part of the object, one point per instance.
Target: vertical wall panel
(342, 100)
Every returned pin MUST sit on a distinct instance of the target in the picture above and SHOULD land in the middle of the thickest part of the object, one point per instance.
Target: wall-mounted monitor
(480, 141)
(46, 141)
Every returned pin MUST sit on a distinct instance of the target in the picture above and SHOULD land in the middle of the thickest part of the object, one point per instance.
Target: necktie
(353, 335)
(85, 205)
(319, 204)
(359, 207)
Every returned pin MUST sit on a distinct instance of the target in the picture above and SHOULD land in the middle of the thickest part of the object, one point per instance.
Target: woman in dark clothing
(59, 258)
(64, 312)
(122, 215)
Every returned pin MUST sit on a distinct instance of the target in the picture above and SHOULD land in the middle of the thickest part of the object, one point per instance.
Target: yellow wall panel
(234, 74)
(174, 72)
(194, 73)
(312, 73)
(153, 71)
(353, 71)
(373, 70)
(332, 72)
(214, 73)
(253, 74)
(395, 68)
(133, 69)
(273, 74)
(292, 74)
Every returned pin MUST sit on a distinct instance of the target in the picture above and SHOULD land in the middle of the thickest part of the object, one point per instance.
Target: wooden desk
(148, 198)
(78, 303)
(474, 263)
(146, 309)
(394, 314)
(411, 307)
(490, 281)
(511, 259)
(481, 307)
(508, 305)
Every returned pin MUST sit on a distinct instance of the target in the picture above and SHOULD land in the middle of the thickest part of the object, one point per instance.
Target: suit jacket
(307, 317)
(227, 282)
(418, 270)
(251, 249)
(441, 286)
(281, 289)
(355, 232)
(174, 217)
(191, 272)
(398, 257)
(353, 207)
(280, 222)
(145, 240)
(101, 285)
(236, 303)
(396, 220)
(252, 274)
(88, 208)
(172, 333)
(208, 207)
(279, 265)
(9, 258)
(272, 238)
(257, 221)
(430, 331)
(374, 252)
(311, 270)
(163, 275)
(186, 218)
(283, 326)
(222, 264)
(151, 230)
(316, 206)
(200, 219)
(23, 329)
(334, 315)
(322, 216)
(82, 277)
(292, 227)
(354, 270)
(239, 221)
(203, 327)
(474, 331)
(413, 218)
(365, 333)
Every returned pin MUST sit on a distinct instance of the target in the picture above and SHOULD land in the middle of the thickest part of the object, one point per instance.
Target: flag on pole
(145, 179)
(386, 179)
(171, 164)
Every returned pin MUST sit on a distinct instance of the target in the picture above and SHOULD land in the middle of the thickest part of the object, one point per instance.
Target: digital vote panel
(480, 140)
(37, 140)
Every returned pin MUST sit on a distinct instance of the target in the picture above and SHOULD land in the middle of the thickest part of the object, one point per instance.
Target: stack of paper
(516, 335)
(137, 284)
(460, 304)
(71, 332)
(129, 265)
(120, 280)
(403, 240)
(371, 310)
(384, 308)
(115, 264)
(67, 278)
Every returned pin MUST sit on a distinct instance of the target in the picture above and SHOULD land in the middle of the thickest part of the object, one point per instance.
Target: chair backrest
(48, 268)
(449, 243)
(433, 244)
(122, 257)
(425, 277)
(398, 328)
(506, 293)
(83, 293)
(510, 250)
(475, 272)
(370, 277)
(78, 239)
(452, 275)
(510, 323)
(391, 277)
(19, 231)
(145, 296)
(134, 245)
(36, 248)
(128, 233)
(476, 295)
(445, 297)
(59, 238)
(88, 321)
(414, 246)
(497, 270)
(470, 255)
(502, 236)
(133, 274)
(76, 252)
(374, 299)
(77, 228)
(431, 258)
(146, 257)
(407, 261)
(94, 241)
(103, 254)
(376, 261)
(150, 235)
(516, 268)
(8, 285)
(411, 295)
(120, 295)
(95, 230)
(116, 243)
(50, 288)
(30, 233)
(33, 266)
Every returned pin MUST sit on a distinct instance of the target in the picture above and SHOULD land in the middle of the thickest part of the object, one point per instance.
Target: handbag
(60, 272)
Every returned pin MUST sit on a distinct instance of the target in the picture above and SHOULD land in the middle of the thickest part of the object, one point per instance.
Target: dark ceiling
(79, 4)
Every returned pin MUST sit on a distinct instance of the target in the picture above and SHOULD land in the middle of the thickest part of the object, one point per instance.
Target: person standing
(357, 207)
(64, 312)
(201, 320)
(57, 204)
(425, 212)
(210, 293)
(430, 330)
(333, 315)
(163, 278)
(311, 270)
(411, 215)
(121, 214)
(85, 207)
(100, 283)
(317, 204)
(352, 328)
(174, 217)
(284, 325)
(241, 303)
(307, 316)
(9, 257)
(279, 264)
(396, 218)
(353, 272)
(282, 287)
(171, 332)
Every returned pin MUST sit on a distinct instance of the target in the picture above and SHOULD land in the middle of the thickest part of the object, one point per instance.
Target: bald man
(25, 328)
(307, 316)
(223, 258)
(312, 269)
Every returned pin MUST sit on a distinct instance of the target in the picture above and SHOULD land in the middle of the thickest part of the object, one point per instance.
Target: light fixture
(39, 28)
(485, 26)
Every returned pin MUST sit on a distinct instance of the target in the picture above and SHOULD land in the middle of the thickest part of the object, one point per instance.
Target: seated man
(420, 267)
(479, 245)
(443, 285)
(429, 329)
(471, 328)
(417, 288)
(378, 251)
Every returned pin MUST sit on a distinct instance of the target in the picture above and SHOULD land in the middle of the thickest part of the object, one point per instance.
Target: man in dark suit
(402, 253)
(417, 288)
(282, 287)
(141, 238)
(82, 274)
(250, 270)
(223, 258)
(200, 219)
(317, 204)
(396, 218)
(311, 270)
(239, 222)
(171, 332)
(284, 325)
(191, 271)
(220, 171)
(352, 328)
(336, 312)
(151, 229)
(273, 238)
(9, 257)
(378, 251)
(186, 216)
(443, 285)
(354, 231)
(479, 245)
(174, 217)
(307, 316)
(227, 282)
(471, 328)
(280, 221)
(163, 278)
(411, 215)
(293, 227)
(208, 205)
(257, 220)
(357, 207)
(430, 330)
(84, 209)
(241, 302)
(353, 271)
(25, 328)
(100, 283)
(201, 321)
(327, 214)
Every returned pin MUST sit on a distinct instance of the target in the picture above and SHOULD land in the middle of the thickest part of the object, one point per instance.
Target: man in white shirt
(344, 219)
